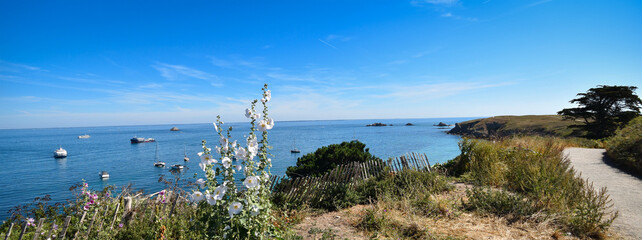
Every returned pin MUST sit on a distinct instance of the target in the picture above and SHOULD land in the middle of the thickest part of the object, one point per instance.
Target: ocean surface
(29, 169)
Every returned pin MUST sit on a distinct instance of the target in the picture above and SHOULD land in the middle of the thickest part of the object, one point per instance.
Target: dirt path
(625, 190)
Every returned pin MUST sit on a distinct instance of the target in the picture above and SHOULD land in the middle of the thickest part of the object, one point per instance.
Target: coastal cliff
(502, 126)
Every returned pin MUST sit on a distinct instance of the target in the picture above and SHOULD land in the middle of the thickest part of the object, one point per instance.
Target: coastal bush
(625, 148)
(406, 183)
(536, 169)
(328, 157)
(512, 206)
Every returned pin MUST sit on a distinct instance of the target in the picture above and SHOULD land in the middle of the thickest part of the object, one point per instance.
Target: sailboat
(185, 158)
(294, 149)
(158, 163)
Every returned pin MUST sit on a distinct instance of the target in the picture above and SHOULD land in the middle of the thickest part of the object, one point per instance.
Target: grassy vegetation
(625, 148)
(518, 180)
(503, 126)
(535, 169)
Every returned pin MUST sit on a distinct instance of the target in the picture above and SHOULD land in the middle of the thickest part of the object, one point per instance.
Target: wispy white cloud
(334, 37)
(438, 90)
(537, 3)
(328, 44)
(10, 66)
(457, 17)
(220, 62)
(180, 72)
(441, 3)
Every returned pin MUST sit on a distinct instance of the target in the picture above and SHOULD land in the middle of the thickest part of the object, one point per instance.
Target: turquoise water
(29, 169)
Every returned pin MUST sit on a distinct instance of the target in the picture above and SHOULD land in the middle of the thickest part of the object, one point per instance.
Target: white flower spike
(235, 208)
(251, 182)
(226, 162)
(197, 196)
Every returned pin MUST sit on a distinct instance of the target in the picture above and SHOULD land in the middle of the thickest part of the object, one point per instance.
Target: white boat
(60, 153)
(177, 167)
(84, 136)
(104, 175)
(294, 149)
(185, 158)
(158, 163)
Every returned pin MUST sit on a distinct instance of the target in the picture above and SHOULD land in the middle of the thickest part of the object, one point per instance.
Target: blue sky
(98, 63)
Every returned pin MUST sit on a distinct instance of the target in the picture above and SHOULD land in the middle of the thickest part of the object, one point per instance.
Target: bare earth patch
(343, 224)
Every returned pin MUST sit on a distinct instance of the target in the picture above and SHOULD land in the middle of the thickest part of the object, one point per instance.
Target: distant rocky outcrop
(174, 129)
(442, 124)
(503, 126)
(377, 125)
(410, 124)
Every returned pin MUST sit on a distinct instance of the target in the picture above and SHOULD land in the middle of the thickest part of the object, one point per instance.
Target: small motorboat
(84, 136)
(104, 175)
(177, 167)
(141, 140)
(60, 153)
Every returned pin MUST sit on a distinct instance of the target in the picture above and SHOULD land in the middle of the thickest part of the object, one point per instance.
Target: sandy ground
(625, 190)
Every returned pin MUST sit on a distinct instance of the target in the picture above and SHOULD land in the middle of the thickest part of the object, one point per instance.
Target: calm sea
(28, 169)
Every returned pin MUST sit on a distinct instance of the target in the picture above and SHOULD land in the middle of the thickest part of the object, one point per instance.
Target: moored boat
(294, 148)
(84, 136)
(141, 140)
(177, 167)
(104, 174)
(60, 153)
(185, 158)
(158, 163)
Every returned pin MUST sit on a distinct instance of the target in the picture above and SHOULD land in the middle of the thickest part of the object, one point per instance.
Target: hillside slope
(501, 126)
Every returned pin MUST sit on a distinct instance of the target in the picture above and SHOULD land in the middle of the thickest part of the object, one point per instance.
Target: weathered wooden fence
(87, 224)
(315, 188)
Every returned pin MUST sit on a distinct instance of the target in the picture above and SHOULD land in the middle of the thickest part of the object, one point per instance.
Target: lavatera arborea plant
(225, 212)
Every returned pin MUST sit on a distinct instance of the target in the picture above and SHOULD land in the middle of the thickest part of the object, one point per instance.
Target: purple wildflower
(120, 225)
(30, 222)
(86, 207)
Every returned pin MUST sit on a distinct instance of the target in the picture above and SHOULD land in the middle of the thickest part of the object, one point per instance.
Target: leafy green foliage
(327, 158)
(604, 109)
(626, 146)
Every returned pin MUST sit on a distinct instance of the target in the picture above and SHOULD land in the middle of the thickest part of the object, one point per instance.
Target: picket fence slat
(9, 232)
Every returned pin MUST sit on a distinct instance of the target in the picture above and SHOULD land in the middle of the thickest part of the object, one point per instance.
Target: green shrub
(327, 158)
(406, 183)
(625, 147)
(501, 203)
(430, 207)
(588, 218)
(536, 169)
(372, 220)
